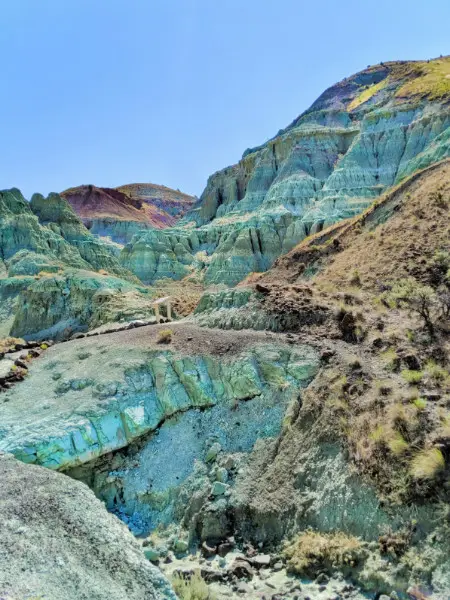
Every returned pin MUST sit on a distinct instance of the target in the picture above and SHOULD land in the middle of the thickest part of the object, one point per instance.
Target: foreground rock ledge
(58, 541)
(89, 397)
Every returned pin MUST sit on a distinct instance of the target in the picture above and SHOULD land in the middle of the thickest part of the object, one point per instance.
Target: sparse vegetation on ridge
(427, 79)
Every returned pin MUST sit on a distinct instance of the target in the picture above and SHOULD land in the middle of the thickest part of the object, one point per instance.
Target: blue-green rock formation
(52, 269)
(362, 136)
(58, 541)
(83, 400)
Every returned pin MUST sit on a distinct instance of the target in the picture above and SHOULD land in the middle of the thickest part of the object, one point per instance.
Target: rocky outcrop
(120, 213)
(50, 267)
(57, 541)
(58, 305)
(55, 213)
(360, 137)
(20, 230)
(49, 230)
(102, 404)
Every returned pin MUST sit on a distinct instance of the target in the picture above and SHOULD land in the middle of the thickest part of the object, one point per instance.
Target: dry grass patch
(164, 336)
(367, 94)
(427, 464)
(185, 294)
(412, 377)
(397, 444)
(194, 588)
(427, 79)
(391, 359)
(312, 551)
(7, 344)
(436, 373)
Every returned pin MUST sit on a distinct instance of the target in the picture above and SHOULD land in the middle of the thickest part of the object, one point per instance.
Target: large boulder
(58, 541)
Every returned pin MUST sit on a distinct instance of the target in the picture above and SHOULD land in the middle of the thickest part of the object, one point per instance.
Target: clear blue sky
(169, 91)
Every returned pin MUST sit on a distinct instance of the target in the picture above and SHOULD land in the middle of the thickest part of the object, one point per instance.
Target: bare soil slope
(385, 389)
(394, 238)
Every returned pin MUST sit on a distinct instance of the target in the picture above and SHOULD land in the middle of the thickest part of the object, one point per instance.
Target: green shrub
(435, 371)
(355, 278)
(378, 435)
(398, 445)
(420, 403)
(164, 336)
(391, 358)
(420, 299)
(412, 377)
(439, 266)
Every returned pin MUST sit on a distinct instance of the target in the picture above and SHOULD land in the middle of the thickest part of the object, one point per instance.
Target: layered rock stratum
(360, 137)
(363, 136)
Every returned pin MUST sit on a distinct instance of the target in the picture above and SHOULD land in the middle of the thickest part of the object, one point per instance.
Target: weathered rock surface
(54, 275)
(57, 541)
(214, 435)
(59, 305)
(49, 229)
(98, 395)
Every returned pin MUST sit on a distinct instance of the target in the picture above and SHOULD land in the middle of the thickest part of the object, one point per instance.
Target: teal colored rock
(180, 546)
(102, 401)
(20, 230)
(102, 560)
(212, 452)
(26, 262)
(152, 554)
(45, 241)
(219, 488)
(221, 474)
(57, 305)
(10, 290)
(50, 231)
(56, 213)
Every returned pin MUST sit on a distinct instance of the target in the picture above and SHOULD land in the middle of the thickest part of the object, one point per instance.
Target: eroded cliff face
(258, 435)
(218, 435)
(55, 276)
(46, 234)
(57, 306)
(360, 137)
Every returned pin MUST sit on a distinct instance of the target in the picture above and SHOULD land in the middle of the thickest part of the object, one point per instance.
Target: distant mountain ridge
(120, 212)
